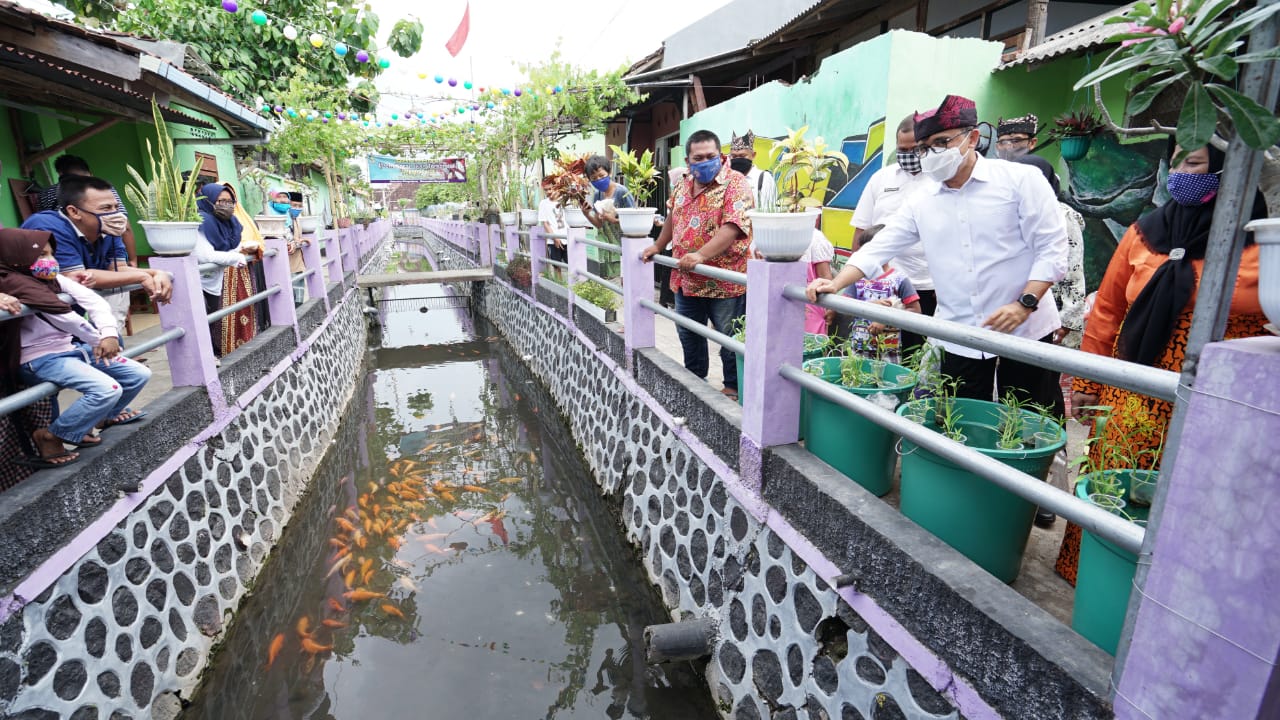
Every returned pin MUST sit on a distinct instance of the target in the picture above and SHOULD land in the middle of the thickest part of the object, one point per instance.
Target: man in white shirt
(742, 157)
(994, 239)
(551, 217)
(885, 193)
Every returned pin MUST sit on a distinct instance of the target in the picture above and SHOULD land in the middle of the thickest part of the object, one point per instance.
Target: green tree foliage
(258, 61)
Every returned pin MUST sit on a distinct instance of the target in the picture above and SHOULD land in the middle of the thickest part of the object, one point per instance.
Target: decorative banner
(454, 46)
(387, 169)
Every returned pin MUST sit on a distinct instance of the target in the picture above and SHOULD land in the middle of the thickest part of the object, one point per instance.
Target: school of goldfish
(402, 507)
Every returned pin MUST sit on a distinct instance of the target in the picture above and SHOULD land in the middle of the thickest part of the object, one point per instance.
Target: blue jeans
(721, 312)
(106, 387)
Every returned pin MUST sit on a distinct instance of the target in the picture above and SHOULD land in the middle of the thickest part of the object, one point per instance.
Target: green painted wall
(8, 169)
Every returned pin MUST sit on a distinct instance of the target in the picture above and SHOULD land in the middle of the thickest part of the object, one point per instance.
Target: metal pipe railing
(703, 330)
(1143, 379)
(253, 299)
(602, 245)
(617, 289)
(35, 393)
(710, 271)
(27, 312)
(556, 263)
(1090, 517)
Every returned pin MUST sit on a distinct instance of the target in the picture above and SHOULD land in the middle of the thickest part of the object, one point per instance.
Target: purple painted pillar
(637, 284)
(513, 243)
(1205, 627)
(191, 358)
(537, 253)
(333, 251)
(348, 250)
(577, 255)
(311, 258)
(775, 335)
(276, 269)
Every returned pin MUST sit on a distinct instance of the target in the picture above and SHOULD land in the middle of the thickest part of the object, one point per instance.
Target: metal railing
(616, 288)
(253, 299)
(684, 322)
(732, 276)
(602, 245)
(555, 263)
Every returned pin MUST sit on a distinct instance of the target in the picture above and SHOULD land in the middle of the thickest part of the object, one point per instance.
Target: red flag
(459, 38)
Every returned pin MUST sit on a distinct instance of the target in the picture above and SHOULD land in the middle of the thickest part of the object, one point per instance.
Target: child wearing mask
(890, 288)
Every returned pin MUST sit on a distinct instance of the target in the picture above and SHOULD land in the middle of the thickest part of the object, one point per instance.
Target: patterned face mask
(1192, 188)
(45, 268)
(909, 161)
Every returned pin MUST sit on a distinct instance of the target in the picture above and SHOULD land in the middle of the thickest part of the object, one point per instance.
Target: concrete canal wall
(921, 632)
(119, 619)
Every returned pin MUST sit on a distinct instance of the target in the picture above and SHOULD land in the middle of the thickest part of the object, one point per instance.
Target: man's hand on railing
(647, 254)
(820, 286)
(107, 349)
(159, 286)
(10, 304)
(690, 260)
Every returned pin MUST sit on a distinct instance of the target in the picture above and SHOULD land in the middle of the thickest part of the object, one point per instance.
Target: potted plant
(520, 272)
(985, 522)
(568, 186)
(167, 203)
(529, 217)
(848, 442)
(1266, 233)
(603, 302)
(640, 177)
(1118, 474)
(782, 233)
(1074, 132)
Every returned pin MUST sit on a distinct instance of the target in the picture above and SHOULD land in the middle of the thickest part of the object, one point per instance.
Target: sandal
(89, 441)
(730, 393)
(44, 463)
(130, 416)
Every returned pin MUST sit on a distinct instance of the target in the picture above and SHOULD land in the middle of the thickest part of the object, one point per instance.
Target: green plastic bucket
(985, 522)
(850, 443)
(811, 340)
(1105, 575)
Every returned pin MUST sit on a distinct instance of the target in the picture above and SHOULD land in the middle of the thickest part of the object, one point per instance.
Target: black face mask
(742, 165)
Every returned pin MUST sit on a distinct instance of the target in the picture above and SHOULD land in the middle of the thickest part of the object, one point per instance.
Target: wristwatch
(1029, 301)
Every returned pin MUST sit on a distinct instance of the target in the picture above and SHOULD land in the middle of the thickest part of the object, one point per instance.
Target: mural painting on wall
(1112, 186)
(866, 155)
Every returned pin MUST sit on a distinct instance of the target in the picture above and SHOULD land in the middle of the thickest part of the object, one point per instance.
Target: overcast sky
(600, 35)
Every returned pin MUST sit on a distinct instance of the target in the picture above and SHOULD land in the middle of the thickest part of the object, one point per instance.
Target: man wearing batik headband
(993, 236)
(887, 189)
(742, 156)
(1016, 137)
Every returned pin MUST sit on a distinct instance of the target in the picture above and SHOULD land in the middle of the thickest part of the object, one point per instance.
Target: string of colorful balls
(260, 18)
(355, 118)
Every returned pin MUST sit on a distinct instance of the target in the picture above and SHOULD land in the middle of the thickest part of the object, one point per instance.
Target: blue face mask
(281, 207)
(1192, 188)
(602, 184)
(705, 171)
(295, 212)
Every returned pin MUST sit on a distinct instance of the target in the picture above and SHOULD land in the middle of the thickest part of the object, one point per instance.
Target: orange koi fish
(313, 647)
(350, 578)
(475, 489)
(433, 537)
(344, 524)
(331, 623)
(390, 609)
(365, 565)
(303, 627)
(273, 650)
(344, 552)
(433, 549)
(373, 487)
(498, 528)
(368, 577)
(511, 480)
(364, 501)
(335, 542)
(337, 606)
(362, 595)
(447, 496)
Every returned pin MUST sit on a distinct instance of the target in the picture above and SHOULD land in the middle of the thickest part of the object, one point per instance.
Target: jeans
(106, 387)
(721, 312)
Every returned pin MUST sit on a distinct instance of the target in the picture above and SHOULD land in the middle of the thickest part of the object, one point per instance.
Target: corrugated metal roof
(1089, 34)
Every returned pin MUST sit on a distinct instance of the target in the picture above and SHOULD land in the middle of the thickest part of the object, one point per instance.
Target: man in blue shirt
(68, 165)
(86, 227)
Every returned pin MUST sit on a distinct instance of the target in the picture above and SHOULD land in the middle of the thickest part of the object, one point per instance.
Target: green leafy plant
(166, 197)
(638, 173)
(1012, 422)
(947, 415)
(568, 184)
(1192, 46)
(738, 328)
(406, 37)
(800, 168)
(1080, 123)
(596, 294)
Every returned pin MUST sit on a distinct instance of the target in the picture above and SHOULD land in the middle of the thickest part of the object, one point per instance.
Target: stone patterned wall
(130, 626)
(788, 646)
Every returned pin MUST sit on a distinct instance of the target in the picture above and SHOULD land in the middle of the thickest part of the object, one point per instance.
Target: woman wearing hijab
(1143, 311)
(219, 244)
(58, 346)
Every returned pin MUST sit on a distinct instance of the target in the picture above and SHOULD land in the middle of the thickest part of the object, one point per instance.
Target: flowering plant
(1081, 123)
(568, 184)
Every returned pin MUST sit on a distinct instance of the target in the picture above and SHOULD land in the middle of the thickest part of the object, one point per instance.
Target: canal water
(455, 559)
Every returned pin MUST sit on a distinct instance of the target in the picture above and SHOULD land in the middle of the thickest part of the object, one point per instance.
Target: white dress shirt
(550, 214)
(984, 242)
(764, 189)
(887, 190)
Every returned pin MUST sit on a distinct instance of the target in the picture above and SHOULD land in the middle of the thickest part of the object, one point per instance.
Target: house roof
(1087, 35)
(64, 66)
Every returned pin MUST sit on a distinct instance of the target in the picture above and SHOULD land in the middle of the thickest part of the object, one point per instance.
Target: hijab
(223, 235)
(18, 252)
(1166, 230)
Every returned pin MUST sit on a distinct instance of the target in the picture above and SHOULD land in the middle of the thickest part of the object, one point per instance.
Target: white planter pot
(271, 225)
(1266, 233)
(574, 216)
(507, 218)
(528, 218)
(309, 223)
(172, 239)
(636, 222)
(782, 237)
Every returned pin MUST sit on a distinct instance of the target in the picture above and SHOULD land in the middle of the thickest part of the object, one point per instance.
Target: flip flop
(110, 422)
(42, 463)
(97, 441)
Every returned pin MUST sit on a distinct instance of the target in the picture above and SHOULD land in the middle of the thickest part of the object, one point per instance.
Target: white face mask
(114, 224)
(943, 166)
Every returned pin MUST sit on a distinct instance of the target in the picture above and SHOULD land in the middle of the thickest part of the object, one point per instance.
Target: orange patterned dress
(1138, 420)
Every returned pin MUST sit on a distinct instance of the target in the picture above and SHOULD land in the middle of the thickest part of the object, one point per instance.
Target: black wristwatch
(1029, 301)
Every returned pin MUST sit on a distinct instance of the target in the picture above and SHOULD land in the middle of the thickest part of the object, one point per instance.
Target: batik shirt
(891, 285)
(695, 220)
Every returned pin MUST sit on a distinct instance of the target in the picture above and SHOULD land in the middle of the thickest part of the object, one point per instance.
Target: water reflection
(470, 569)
